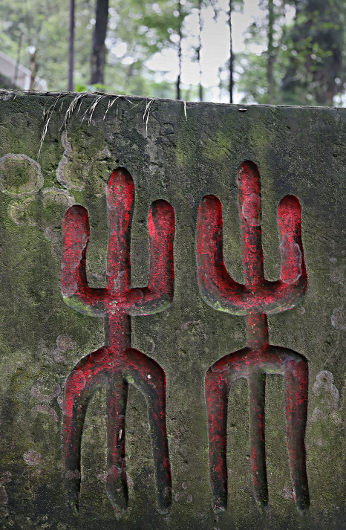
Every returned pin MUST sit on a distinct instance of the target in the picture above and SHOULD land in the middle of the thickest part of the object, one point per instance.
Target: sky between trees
(284, 51)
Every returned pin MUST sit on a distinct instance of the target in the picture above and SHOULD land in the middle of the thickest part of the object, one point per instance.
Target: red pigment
(116, 364)
(255, 300)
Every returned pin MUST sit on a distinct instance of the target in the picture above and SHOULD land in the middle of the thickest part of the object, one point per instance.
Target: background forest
(294, 50)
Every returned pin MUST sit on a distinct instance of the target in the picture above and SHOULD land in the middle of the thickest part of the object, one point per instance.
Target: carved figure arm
(291, 288)
(73, 280)
(216, 286)
(159, 293)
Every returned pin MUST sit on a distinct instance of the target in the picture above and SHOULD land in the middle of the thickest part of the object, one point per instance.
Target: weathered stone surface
(57, 150)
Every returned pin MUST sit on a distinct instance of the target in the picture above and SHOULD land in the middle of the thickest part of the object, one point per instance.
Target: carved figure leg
(116, 483)
(149, 378)
(216, 390)
(257, 437)
(72, 433)
(82, 382)
(296, 401)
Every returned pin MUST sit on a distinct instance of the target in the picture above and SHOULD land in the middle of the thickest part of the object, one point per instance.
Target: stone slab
(57, 150)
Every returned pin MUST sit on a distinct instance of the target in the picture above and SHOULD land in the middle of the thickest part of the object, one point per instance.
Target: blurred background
(241, 51)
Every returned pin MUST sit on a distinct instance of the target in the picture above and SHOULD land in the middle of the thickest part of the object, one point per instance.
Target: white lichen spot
(251, 210)
(32, 458)
(129, 480)
(46, 409)
(53, 204)
(337, 276)
(288, 493)
(5, 95)
(20, 175)
(102, 476)
(291, 261)
(19, 212)
(104, 154)
(338, 319)
(328, 397)
(71, 475)
(61, 169)
(63, 343)
(324, 382)
(5, 477)
(37, 392)
(150, 345)
(191, 200)
(318, 415)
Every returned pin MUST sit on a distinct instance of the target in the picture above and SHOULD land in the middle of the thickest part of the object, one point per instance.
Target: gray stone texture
(60, 149)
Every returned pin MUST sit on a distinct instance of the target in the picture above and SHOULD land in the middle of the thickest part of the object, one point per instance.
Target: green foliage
(43, 24)
(136, 31)
(252, 67)
(317, 40)
(309, 57)
(307, 52)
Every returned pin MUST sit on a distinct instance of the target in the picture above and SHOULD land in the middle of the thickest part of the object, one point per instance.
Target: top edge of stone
(5, 95)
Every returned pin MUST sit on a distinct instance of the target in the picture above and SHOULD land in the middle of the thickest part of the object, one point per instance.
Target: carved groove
(116, 364)
(255, 300)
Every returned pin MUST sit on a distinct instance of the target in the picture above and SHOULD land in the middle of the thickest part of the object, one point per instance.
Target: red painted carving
(116, 364)
(256, 299)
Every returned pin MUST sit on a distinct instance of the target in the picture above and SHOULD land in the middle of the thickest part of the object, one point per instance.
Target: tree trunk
(98, 56)
(199, 49)
(230, 53)
(271, 58)
(18, 60)
(178, 88)
(179, 52)
(70, 86)
(32, 71)
(219, 72)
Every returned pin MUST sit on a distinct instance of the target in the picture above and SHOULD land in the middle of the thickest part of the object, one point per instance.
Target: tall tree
(230, 52)
(70, 86)
(317, 41)
(18, 59)
(261, 74)
(271, 55)
(98, 54)
(199, 48)
(33, 70)
(232, 5)
(44, 25)
(146, 29)
(180, 35)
